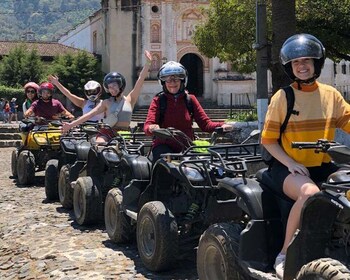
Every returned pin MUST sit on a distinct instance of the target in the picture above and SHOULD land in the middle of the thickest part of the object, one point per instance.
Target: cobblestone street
(40, 240)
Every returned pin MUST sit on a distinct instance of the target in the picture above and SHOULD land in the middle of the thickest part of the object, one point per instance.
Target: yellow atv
(40, 143)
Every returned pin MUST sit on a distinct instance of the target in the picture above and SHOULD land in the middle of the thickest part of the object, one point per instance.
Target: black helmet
(302, 46)
(114, 77)
(173, 68)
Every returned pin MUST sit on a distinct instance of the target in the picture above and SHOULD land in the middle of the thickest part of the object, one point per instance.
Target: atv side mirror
(254, 133)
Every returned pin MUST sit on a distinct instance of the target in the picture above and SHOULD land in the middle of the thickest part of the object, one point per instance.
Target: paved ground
(40, 240)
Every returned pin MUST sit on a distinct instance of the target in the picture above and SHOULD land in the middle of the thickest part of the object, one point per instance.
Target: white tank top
(89, 105)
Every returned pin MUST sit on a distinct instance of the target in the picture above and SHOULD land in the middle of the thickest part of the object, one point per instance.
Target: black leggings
(158, 150)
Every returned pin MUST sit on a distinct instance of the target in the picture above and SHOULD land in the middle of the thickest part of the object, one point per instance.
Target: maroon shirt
(47, 109)
(177, 116)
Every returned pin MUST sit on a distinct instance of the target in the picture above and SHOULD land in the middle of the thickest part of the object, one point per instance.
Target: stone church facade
(122, 30)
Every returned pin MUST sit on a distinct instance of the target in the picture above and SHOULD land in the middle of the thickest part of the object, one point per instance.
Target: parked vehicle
(101, 172)
(170, 205)
(40, 143)
(57, 170)
(246, 248)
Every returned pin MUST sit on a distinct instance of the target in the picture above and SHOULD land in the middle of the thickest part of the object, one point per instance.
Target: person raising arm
(118, 107)
(93, 92)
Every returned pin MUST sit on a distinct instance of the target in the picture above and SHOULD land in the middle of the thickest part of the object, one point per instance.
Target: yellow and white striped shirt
(321, 110)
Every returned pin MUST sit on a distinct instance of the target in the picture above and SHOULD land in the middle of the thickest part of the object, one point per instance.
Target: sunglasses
(173, 78)
(46, 91)
(31, 91)
(91, 91)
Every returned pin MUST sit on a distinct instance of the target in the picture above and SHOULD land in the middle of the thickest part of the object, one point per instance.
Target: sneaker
(279, 265)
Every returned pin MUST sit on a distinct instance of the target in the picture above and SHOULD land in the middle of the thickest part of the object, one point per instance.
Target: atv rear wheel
(325, 268)
(217, 253)
(14, 157)
(118, 224)
(51, 178)
(65, 190)
(25, 168)
(157, 237)
(86, 201)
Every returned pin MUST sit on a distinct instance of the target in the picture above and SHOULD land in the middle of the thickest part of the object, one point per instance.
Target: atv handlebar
(322, 145)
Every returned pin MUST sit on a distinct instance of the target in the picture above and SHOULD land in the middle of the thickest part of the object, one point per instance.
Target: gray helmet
(302, 46)
(172, 68)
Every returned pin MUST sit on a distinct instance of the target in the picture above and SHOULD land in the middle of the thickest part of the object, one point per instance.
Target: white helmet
(93, 90)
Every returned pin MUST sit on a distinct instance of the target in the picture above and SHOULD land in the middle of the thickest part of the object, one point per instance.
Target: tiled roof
(45, 49)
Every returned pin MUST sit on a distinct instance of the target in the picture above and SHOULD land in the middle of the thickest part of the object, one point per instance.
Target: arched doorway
(194, 66)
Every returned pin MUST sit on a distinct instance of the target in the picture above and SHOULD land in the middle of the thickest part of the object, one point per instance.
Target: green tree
(20, 66)
(75, 70)
(229, 30)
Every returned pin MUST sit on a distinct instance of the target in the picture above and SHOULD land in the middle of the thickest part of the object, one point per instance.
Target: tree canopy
(74, 71)
(20, 66)
(229, 29)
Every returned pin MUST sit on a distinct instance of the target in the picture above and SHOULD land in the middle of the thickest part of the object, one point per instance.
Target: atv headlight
(40, 140)
(192, 174)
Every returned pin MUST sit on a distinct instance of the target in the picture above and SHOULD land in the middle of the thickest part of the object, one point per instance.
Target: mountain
(48, 19)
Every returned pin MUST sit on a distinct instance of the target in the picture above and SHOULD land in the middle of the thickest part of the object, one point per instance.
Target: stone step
(10, 143)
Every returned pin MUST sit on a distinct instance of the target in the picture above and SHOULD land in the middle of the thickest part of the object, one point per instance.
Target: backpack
(265, 155)
(163, 104)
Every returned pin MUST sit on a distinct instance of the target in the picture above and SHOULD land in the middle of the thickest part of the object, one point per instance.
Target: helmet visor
(172, 78)
(91, 92)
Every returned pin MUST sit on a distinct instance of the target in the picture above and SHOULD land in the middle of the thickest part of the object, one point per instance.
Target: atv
(57, 170)
(101, 171)
(40, 143)
(246, 248)
(170, 206)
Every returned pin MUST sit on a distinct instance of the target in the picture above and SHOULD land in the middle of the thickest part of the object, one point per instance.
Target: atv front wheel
(87, 202)
(325, 268)
(118, 224)
(14, 157)
(65, 190)
(51, 178)
(25, 168)
(217, 253)
(157, 237)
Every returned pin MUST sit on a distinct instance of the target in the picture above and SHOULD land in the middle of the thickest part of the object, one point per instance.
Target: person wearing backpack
(175, 107)
(318, 110)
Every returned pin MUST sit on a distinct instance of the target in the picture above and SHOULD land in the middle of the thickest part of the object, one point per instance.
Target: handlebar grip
(305, 145)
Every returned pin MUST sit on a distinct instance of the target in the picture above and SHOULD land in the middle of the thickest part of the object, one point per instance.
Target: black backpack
(163, 104)
(266, 156)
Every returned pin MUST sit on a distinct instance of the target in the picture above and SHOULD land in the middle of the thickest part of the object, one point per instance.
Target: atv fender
(83, 150)
(139, 165)
(251, 195)
(317, 218)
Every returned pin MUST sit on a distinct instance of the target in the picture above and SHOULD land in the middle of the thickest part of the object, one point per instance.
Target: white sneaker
(279, 265)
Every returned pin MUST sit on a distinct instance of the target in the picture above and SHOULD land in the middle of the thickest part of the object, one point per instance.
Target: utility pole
(261, 61)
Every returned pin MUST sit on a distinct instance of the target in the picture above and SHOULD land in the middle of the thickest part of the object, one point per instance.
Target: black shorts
(279, 173)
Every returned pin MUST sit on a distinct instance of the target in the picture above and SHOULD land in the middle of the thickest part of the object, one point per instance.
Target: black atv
(246, 248)
(171, 205)
(57, 171)
(101, 172)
